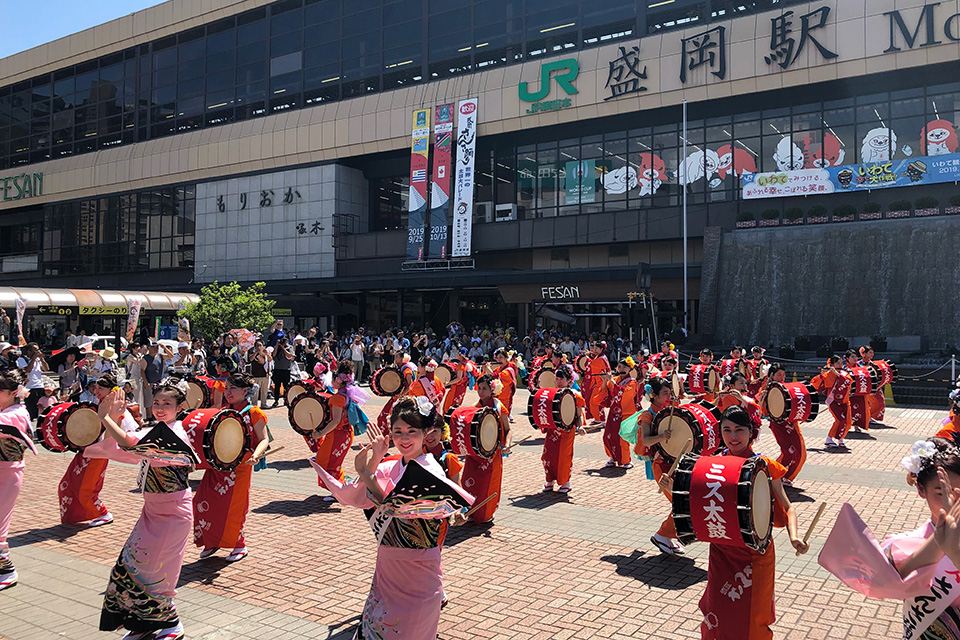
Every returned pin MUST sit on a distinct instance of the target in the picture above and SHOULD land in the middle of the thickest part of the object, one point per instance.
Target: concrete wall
(893, 277)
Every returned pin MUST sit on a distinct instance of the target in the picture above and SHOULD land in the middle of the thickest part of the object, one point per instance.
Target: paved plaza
(551, 567)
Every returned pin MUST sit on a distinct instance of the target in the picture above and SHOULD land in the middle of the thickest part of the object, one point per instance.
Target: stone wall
(892, 277)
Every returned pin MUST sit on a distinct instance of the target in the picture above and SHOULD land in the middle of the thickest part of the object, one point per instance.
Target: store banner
(440, 190)
(907, 172)
(468, 111)
(581, 181)
(133, 317)
(417, 202)
(21, 308)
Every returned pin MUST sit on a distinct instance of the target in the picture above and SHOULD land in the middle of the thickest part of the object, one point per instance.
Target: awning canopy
(93, 298)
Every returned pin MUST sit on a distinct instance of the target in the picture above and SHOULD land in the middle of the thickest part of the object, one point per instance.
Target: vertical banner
(581, 184)
(440, 192)
(463, 189)
(417, 202)
(133, 317)
(21, 308)
(183, 325)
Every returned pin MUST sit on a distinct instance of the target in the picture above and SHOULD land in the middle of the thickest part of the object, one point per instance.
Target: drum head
(228, 440)
(296, 389)
(443, 375)
(308, 413)
(762, 505)
(680, 434)
(547, 365)
(568, 409)
(676, 385)
(776, 402)
(634, 373)
(713, 380)
(546, 379)
(195, 396)
(489, 435)
(83, 427)
(390, 381)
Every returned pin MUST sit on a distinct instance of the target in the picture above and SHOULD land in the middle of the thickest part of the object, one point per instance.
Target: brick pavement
(553, 566)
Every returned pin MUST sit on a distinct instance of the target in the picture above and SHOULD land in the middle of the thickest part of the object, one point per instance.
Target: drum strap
(429, 391)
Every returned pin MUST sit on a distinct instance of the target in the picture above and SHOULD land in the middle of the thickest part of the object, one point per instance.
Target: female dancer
(506, 372)
(624, 402)
(335, 438)
(457, 389)
(793, 449)
(79, 489)
(735, 394)
(143, 583)
(598, 372)
(757, 363)
(876, 403)
(15, 439)
(436, 442)
(659, 393)
(480, 477)
(557, 455)
(749, 616)
(859, 405)
(427, 384)
(407, 590)
(408, 371)
(222, 500)
(834, 381)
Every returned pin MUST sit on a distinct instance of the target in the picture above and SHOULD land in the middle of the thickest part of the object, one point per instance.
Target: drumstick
(524, 439)
(270, 452)
(816, 519)
(477, 506)
(683, 452)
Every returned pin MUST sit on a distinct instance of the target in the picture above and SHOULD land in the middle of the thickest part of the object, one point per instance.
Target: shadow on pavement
(456, 535)
(347, 627)
(287, 465)
(296, 508)
(860, 435)
(608, 472)
(58, 532)
(203, 571)
(540, 500)
(797, 495)
(658, 570)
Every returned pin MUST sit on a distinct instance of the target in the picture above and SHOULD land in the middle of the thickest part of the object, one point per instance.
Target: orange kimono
(667, 528)
(836, 384)
(508, 378)
(738, 601)
(456, 392)
(383, 420)
(79, 490)
(623, 404)
(222, 500)
(332, 448)
(483, 478)
(557, 457)
(950, 425)
(431, 388)
(598, 387)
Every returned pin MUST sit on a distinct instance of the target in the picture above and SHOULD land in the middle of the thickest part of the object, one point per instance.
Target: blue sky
(25, 25)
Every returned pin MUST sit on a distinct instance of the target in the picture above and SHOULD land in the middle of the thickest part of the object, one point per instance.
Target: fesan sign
(560, 293)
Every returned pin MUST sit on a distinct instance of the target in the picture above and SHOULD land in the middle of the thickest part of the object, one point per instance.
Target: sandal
(102, 520)
(207, 553)
(665, 548)
(237, 555)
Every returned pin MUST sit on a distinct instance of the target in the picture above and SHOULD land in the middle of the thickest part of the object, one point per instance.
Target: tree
(230, 306)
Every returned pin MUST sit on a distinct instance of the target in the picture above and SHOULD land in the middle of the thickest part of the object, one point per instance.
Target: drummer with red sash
(595, 382)
(481, 477)
(876, 403)
(666, 349)
(659, 394)
(223, 498)
(735, 394)
(408, 371)
(335, 438)
(793, 448)
(756, 367)
(79, 489)
(859, 404)
(506, 373)
(557, 457)
(834, 381)
(463, 367)
(706, 358)
(624, 402)
(436, 441)
(738, 603)
(426, 384)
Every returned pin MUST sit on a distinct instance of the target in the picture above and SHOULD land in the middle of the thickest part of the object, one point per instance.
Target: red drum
(581, 362)
(309, 411)
(71, 426)
(474, 431)
(444, 373)
(695, 422)
(547, 364)
(757, 368)
(544, 378)
(553, 409)
(737, 514)
(730, 365)
(387, 381)
(299, 387)
(676, 382)
(792, 401)
(219, 437)
(199, 392)
(866, 381)
(885, 371)
(703, 378)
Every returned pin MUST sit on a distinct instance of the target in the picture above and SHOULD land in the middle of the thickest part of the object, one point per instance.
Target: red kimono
(623, 404)
(482, 478)
(557, 457)
(383, 420)
(836, 384)
(456, 393)
(332, 449)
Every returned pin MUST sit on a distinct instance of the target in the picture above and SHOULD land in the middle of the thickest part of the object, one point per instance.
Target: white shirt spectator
(34, 375)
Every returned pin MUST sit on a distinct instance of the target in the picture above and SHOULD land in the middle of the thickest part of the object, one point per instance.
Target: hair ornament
(179, 383)
(22, 392)
(431, 366)
(924, 454)
(630, 362)
(424, 406)
(648, 390)
(496, 387)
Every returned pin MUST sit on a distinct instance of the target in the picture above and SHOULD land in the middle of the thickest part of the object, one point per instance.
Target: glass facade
(296, 53)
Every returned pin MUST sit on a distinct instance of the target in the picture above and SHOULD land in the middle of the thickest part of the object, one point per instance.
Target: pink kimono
(14, 440)
(143, 582)
(404, 599)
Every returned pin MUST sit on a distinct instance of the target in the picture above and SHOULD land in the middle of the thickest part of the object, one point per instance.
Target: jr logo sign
(566, 72)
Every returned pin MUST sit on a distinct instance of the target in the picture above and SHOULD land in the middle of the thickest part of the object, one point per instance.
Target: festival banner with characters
(907, 172)
(440, 191)
(463, 187)
(21, 309)
(133, 317)
(417, 201)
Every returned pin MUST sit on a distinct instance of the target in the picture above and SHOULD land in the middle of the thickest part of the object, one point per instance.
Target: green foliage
(816, 211)
(872, 207)
(844, 210)
(793, 213)
(225, 307)
(771, 214)
(900, 205)
(745, 216)
(927, 202)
